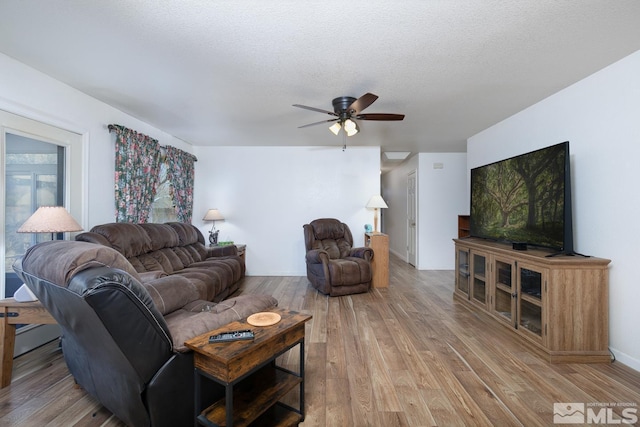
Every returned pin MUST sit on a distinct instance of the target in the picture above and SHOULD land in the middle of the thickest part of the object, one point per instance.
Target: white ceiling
(227, 72)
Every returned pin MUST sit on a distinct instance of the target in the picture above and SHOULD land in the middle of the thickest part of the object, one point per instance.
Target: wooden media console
(559, 304)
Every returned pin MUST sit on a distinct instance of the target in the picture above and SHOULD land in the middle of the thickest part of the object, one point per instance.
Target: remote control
(232, 336)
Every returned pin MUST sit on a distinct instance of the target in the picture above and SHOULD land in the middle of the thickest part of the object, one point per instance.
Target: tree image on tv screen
(521, 199)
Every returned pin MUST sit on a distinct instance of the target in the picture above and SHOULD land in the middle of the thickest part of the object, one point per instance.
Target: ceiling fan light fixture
(350, 127)
(335, 128)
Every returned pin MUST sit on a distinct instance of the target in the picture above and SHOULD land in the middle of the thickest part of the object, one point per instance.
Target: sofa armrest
(363, 252)
(317, 256)
(219, 251)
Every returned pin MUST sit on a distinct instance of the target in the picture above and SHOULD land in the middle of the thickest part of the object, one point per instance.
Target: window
(163, 207)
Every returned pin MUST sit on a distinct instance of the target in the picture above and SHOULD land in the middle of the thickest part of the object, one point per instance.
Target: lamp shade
(376, 202)
(213, 215)
(335, 128)
(50, 219)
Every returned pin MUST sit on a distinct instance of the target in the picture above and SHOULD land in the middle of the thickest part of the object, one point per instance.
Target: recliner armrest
(317, 256)
(363, 252)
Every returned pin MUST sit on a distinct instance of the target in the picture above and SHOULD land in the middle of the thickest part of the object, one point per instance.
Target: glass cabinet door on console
(479, 278)
(531, 283)
(504, 290)
(462, 272)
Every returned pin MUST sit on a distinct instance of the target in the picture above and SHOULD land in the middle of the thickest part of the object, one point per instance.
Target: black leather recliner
(334, 266)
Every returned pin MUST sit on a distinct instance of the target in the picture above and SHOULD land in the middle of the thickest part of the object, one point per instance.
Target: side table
(379, 242)
(14, 313)
(253, 382)
(242, 249)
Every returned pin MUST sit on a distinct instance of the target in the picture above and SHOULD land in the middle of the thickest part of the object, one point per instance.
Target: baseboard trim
(33, 336)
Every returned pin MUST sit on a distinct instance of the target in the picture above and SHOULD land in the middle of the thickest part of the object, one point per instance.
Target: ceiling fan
(346, 109)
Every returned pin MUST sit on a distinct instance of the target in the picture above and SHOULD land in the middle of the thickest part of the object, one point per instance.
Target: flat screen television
(525, 200)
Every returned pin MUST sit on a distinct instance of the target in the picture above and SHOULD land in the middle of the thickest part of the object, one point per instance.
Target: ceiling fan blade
(318, 123)
(380, 116)
(363, 102)
(319, 110)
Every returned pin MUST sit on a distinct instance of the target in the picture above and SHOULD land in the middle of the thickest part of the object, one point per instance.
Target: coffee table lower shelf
(257, 398)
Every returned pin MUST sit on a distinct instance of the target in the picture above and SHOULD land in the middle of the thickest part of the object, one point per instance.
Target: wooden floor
(407, 355)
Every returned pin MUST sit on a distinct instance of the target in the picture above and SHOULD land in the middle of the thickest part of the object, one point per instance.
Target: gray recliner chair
(334, 266)
(120, 346)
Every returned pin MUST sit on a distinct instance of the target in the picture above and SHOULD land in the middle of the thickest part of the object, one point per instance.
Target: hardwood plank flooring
(407, 355)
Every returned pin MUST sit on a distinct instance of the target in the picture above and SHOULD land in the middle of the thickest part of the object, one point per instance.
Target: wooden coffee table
(253, 383)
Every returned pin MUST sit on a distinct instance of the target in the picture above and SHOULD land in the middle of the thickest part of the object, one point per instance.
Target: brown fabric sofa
(173, 249)
(123, 331)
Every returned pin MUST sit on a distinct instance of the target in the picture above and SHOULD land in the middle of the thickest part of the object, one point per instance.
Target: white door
(41, 166)
(412, 228)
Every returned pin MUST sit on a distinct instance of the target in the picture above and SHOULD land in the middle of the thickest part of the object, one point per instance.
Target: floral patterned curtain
(136, 174)
(180, 173)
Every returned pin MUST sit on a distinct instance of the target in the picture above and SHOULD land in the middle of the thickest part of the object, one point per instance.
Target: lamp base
(375, 220)
(213, 237)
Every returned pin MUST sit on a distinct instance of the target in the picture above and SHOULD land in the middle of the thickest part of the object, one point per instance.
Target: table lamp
(50, 219)
(46, 219)
(213, 215)
(376, 202)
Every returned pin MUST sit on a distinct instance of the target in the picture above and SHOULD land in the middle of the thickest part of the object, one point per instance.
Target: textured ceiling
(227, 72)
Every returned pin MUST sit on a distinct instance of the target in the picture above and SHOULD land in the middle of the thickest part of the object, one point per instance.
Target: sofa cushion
(330, 235)
(90, 237)
(186, 233)
(169, 293)
(174, 260)
(328, 228)
(165, 258)
(150, 262)
(128, 239)
(161, 235)
(349, 271)
(200, 317)
(335, 248)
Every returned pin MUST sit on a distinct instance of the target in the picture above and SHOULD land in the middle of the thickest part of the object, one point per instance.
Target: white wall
(29, 93)
(600, 117)
(267, 194)
(442, 197)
